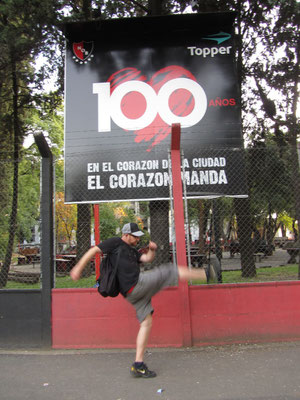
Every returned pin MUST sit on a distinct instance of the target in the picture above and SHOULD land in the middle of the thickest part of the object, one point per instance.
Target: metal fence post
(97, 238)
(180, 231)
(47, 236)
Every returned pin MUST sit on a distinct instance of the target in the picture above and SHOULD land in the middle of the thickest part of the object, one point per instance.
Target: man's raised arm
(76, 271)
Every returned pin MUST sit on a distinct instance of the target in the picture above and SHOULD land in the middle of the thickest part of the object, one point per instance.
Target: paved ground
(239, 372)
(278, 258)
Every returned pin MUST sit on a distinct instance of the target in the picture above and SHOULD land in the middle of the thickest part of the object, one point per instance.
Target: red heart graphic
(133, 105)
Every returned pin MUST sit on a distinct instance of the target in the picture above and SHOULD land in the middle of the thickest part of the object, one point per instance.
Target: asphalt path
(232, 372)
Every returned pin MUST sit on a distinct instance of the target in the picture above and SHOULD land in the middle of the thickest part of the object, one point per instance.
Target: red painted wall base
(220, 314)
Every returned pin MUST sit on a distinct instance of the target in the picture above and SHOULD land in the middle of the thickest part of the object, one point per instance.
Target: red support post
(97, 238)
(180, 231)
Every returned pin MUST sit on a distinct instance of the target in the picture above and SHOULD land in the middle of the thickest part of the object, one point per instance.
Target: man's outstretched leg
(139, 369)
(205, 275)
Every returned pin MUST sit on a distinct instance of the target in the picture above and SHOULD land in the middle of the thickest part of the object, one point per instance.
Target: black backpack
(108, 284)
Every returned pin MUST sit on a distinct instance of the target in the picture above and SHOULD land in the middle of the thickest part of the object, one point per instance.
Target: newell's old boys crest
(83, 51)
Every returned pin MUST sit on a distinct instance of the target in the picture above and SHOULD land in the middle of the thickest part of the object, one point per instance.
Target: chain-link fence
(255, 238)
(20, 223)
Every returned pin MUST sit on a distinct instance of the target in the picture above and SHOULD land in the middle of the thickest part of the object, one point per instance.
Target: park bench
(63, 265)
(259, 256)
(30, 253)
(24, 277)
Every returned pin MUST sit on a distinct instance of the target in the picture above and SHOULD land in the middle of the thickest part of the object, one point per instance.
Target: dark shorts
(149, 283)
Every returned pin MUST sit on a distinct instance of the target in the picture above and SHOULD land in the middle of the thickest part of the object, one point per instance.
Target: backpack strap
(118, 256)
(118, 248)
(107, 255)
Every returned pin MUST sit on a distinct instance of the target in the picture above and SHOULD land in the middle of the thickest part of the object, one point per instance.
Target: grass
(284, 273)
(288, 272)
(66, 282)
(60, 283)
(18, 285)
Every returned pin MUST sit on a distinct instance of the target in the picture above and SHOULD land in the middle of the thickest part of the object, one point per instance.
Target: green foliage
(28, 202)
(51, 124)
(5, 200)
(29, 197)
(109, 224)
(286, 220)
(269, 180)
(112, 218)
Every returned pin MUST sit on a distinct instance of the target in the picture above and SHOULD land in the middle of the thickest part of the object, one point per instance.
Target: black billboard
(127, 82)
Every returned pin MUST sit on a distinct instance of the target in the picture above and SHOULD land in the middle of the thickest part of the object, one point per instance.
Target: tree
(281, 74)
(265, 30)
(28, 195)
(65, 221)
(270, 186)
(22, 27)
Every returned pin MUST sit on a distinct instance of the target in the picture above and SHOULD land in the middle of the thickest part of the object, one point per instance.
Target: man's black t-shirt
(128, 265)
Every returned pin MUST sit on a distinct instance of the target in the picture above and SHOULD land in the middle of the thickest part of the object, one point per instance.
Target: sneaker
(142, 372)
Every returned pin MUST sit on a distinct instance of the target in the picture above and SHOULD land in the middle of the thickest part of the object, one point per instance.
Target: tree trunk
(87, 9)
(14, 205)
(244, 222)
(83, 234)
(201, 244)
(271, 226)
(159, 230)
(295, 179)
(216, 226)
(154, 7)
(294, 133)
(242, 206)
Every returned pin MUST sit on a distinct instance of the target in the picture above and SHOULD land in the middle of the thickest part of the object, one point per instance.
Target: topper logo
(109, 104)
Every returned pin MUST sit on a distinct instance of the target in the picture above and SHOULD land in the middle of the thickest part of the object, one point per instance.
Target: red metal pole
(180, 231)
(97, 238)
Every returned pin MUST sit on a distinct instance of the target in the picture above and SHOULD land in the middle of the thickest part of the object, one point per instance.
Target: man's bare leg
(142, 338)
(139, 369)
(186, 274)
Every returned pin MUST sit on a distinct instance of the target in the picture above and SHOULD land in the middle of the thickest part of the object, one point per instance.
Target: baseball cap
(132, 229)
